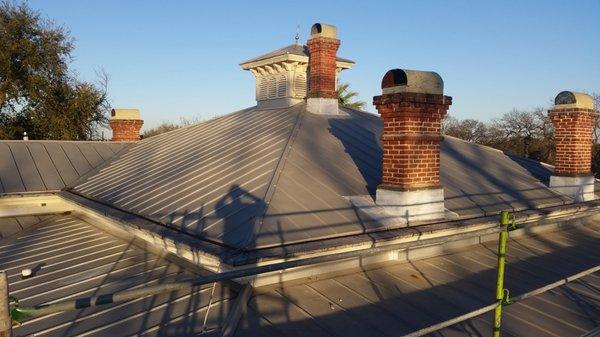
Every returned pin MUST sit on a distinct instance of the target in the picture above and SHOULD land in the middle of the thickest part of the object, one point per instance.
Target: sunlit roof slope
(263, 178)
(12, 226)
(72, 259)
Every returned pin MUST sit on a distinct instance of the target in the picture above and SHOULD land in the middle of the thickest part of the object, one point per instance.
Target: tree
(170, 126)
(596, 97)
(523, 133)
(596, 135)
(346, 96)
(526, 133)
(38, 93)
(468, 129)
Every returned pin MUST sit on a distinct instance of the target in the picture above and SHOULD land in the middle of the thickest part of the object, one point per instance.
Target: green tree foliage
(38, 93)
(346, 97)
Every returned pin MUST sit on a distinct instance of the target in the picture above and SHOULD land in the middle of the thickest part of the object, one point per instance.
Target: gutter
(317, 257)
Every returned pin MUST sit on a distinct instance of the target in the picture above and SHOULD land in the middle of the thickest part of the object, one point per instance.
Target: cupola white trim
(282, 76)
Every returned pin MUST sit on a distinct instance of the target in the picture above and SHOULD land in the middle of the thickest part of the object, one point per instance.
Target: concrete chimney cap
(323, 30)
(570, 99)
(405, 80)
(130, 114)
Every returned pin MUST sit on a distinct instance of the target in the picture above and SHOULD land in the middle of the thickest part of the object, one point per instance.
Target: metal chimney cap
(405, 80)
(130, 114)
(571, 99)
(323, 30)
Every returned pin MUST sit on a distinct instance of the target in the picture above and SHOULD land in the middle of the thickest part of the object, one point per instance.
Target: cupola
(282, 75)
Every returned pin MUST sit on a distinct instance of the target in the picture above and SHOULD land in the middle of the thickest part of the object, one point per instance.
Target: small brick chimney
(322, 46)
(125, 125)
(412, 107)
(574, 117)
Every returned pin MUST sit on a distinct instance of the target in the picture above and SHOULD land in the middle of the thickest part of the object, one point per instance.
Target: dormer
(282, 76)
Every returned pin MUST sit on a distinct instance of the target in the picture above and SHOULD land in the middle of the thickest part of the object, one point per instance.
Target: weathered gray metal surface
(209, 179)
(404, 297)
(34, 166)
(72, 259)
(294, 49)
(11, 226)
(264, 178)
(479, 180)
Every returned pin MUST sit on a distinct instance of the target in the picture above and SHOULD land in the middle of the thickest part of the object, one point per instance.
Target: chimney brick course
(573, 140)
(411, 139)
(322, 67)
(573, 117)
(125, 125)
(126, 130)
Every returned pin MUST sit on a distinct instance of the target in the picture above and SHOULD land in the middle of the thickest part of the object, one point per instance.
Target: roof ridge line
(258, 221)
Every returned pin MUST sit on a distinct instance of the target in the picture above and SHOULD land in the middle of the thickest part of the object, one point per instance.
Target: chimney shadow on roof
(359, 134)
(484, 171)
(534, 167)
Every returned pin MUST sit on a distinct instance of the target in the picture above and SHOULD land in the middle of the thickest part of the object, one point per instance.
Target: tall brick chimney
(125, 125)
(574, 117)
(322, 47)
(412, 107)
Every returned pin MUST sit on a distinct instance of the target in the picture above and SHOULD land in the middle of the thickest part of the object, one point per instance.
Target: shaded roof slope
(262, 178)
(12, 226)
(479, 180)
(73, 259)
(400, 298)
(36, 166)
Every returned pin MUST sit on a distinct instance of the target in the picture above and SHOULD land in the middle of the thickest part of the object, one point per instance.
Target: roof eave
(247, 65)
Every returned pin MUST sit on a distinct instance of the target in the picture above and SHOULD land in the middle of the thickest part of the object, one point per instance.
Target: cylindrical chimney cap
(570, 99)
(404, 80)
(129, 114)
(323, 30)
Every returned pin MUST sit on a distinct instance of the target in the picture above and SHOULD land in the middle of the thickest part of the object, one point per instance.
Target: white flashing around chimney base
(322, 106)
(417, 205)
(579, 188)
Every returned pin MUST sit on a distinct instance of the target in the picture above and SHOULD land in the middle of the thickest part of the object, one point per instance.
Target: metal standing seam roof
(73, 259)
(264, 178)
(11, 226)
(295, 49)
(37, 166)
(403, 297)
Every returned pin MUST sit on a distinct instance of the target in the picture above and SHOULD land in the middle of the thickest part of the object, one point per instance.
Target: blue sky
(180, 58)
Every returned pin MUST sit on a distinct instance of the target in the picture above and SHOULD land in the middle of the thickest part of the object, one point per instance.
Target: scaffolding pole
(504, 221)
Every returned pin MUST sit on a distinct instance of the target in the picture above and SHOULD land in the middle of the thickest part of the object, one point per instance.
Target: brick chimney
(412, 107)
(322, 47)
(574, 117)
(125, 125)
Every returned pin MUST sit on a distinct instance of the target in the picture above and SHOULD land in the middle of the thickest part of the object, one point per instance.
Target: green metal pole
(504, 221)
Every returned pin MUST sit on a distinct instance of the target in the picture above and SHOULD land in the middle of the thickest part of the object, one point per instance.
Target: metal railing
(502, 294)
(10, 311)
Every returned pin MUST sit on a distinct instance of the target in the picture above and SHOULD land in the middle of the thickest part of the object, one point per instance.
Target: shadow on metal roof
(256, 179)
